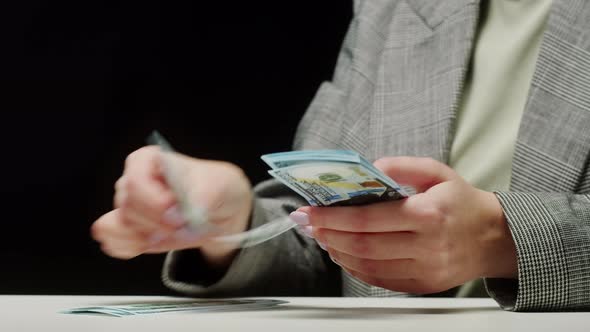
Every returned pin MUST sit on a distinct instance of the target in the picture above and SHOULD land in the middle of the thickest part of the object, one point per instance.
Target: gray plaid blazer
(396, 91)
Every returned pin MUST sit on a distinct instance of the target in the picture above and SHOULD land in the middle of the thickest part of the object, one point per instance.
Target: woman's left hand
(447, 234)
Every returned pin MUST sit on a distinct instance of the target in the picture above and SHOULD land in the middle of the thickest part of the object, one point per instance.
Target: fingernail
(323, 246)
(157, 238)
(300, 218)
(307, 230)
(173, 217)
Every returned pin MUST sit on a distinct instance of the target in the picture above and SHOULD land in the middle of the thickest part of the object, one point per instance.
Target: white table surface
(41, 313)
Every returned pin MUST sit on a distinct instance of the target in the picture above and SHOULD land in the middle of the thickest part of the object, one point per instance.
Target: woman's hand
(447, 234)
(146, 219)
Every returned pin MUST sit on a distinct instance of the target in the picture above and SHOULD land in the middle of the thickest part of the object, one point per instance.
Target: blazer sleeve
(552, 236)
(290, 264)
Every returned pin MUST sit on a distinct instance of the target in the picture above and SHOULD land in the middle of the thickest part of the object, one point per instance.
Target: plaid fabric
(396, 91)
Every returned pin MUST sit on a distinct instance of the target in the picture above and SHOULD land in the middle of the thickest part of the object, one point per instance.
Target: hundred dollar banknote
(333, 177)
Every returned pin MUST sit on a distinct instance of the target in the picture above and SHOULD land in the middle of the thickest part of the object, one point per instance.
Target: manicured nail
(173, 217)
(307, 230)
(300, 218)
(323, 246)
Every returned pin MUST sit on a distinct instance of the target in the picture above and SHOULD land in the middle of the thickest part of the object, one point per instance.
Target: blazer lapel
(553, 143)
(416, 94)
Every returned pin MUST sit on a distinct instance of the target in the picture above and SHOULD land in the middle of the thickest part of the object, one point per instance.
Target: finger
(143, 186)
(119, 241)
(155, 244)
(147, 198)
(119, 252)
(377, 246)
(397, 216)
(111, 228)
(110, 225)
(144, 162)
(128, 217)
(119, 244)
(139, 223)
(122, 248)
(419, 173)
(179, 240)
(411, 286)
(387, 269)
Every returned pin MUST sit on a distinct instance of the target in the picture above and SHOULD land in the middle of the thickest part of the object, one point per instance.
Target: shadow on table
(310, 312)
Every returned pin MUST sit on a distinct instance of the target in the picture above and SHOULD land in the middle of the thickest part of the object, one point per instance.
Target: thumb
(419, 173)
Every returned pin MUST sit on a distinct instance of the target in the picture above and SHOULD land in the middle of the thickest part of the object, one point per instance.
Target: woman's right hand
(146, 218)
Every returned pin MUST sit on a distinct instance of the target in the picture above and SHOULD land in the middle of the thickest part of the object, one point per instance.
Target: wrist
(499, 258)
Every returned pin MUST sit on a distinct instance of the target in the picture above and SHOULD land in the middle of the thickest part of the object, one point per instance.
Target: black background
(84, 83)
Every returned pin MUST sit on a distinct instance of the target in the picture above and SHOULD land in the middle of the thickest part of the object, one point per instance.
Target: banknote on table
(201, 305)
(333, 177)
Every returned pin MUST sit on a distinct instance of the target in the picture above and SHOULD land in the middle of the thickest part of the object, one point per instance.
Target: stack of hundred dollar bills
(333, 177)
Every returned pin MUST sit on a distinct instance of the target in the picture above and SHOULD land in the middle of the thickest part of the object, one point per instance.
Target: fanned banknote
(196, 216)
(193, 213)
(333, 177)
(202, 305)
